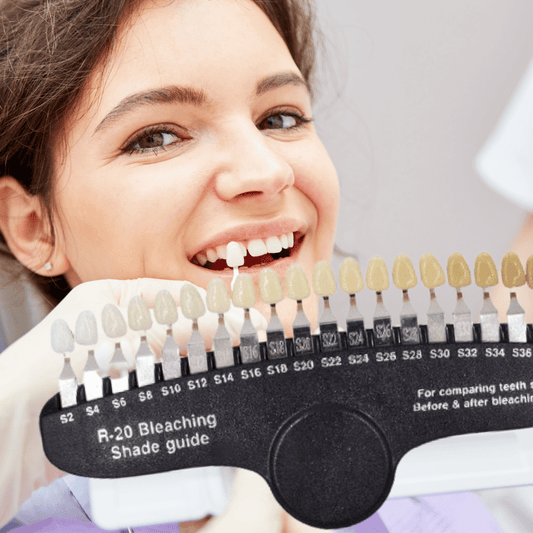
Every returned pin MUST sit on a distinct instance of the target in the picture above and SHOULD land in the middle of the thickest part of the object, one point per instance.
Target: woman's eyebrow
(165, 95)
(189, 95)
(279, 80)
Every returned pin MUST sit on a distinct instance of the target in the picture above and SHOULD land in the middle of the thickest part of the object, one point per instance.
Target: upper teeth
(254, 247)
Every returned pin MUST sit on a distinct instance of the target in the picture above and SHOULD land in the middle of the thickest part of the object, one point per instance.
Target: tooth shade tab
(403, 273)
(62, 337)
(217, 297)
(377, 276)
(270, 286)
(165, 308)
(86, 329)
(431, 272)
(529, 271)
(113, 322)
(485, 271)
(139, 318)
(191, 302)
(243, 292)
(458, 271)
(296, 283)
(513, 274)
(350, 277)
(234, 255)
(323, 280)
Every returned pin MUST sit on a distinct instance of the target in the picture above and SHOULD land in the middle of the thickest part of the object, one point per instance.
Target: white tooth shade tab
(323, 279)
(165, 308)
(113, 322)
(273, 245)
(257, 247)
(191, 302)
(217, 297)
(243, 294)
(234, 255)
(62, 337)
(139, 318)
(270, 286)
(296, 283)
(86, 330)
(284, 241)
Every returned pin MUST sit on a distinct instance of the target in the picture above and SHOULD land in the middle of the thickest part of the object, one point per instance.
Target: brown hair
(48, 50)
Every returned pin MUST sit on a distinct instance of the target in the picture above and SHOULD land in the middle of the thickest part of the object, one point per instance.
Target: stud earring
(48, 267)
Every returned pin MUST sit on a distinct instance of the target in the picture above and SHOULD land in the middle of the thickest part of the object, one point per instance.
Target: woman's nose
(252, 168)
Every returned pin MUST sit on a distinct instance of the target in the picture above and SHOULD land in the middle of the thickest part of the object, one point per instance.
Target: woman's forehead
(209, 45)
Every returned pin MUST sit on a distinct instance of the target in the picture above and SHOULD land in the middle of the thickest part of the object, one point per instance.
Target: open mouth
(257, 252)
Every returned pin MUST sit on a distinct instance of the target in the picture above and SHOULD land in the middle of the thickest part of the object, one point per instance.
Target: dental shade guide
(325, 426)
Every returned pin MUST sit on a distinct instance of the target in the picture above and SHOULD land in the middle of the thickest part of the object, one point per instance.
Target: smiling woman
(198, 150)
(138, 139)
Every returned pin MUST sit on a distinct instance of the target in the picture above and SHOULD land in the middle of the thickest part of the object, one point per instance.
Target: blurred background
(408, 94)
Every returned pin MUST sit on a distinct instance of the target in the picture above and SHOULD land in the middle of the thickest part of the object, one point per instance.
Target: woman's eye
(151, 141)
(283, 121)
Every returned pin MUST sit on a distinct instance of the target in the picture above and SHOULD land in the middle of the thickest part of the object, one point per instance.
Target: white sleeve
(506, 161)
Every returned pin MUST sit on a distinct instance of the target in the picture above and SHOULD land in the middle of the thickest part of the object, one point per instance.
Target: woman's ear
(26, 229)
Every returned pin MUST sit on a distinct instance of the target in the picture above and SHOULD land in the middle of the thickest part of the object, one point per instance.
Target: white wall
(411, 92)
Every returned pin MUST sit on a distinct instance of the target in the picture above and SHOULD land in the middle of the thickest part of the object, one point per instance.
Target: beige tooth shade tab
(529, 271)
(431, 272)
(485, 271)
(113, 322)
(243, 294)
(377, 276)
(165, 308)
(217, 297)
(191, 302)
(403, 273)
(323, 279)
(513, 274)
(296, 283)
(350, 276)
(270, 287)
(139, 318)
(458, 271)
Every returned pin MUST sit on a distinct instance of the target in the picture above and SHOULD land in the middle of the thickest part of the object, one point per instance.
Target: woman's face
(195, 134)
